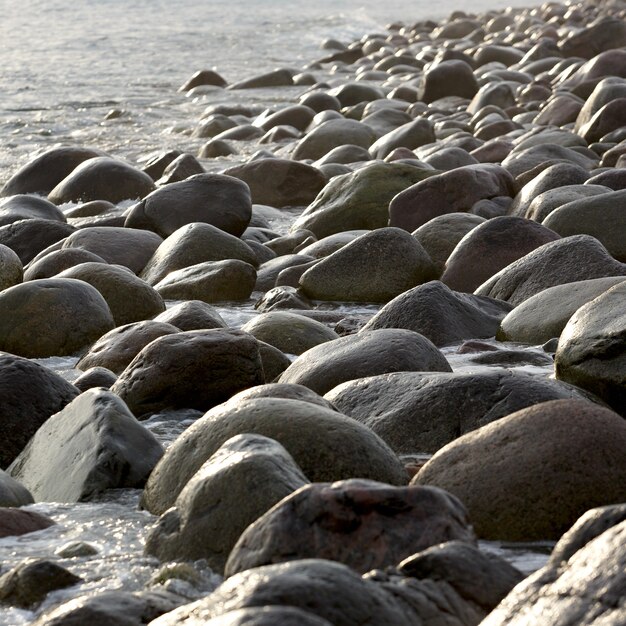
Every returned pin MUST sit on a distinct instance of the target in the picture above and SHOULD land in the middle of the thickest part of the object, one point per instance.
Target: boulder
(129, 298)
(245, 477)
(609, 118)
(222, 201)
(606, 91)
(95, 377)
(591, 352)
(362, 523)
(453, 77)
(201, 78)
(102, 178)
(288, 391)
(451, 192)
(419, 412)
(25, 207)
(192, 244)
(520, 487)
(280, 182)
(91, 445)
(52, 317)
(365, 354)
(268, 616)
(359, 199)
(269, 271)
(212, 281)
(450, 158)
(374, 267)
(298, 116)
(440, 314)
(543, 204)
(11, 269)
(27, 238)
(605, 34)
(567, 260)
(182, 167)
(276, 78)
(353, 93)
(193, 369)
(530, 161)
(192, 315)
(331, 134)
(325, 444)
(16, 522)
(117, 348)
(57, 261)
(411, 135)
(490, 247)
(12, 493)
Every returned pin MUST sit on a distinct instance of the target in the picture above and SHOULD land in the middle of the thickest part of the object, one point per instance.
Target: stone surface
(12, 493)
(58, 261)
(329, 135)
(411, 135)
(16, 522)
(11, 269)
(93, 444)
(25, 207)
(27, 238)
(453, 77)
(192, 315)
(95, 377)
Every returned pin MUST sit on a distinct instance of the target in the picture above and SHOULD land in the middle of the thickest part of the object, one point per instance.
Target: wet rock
(24, 207)
(499, 94)
(420, 412)
(593, 576)
(16, 522)
(203, 77)
(38, 318)
(91, 445)
(46, 171)
(222, 201)
(567, 260)
(269, 271)
(361, 523)
(332, 134)
(526, 161)
(182, 167)
(192, 315)
(326, 445)
(354, 93)
(156, 165)
(30, 393)
(129, 247)
(280, 182)
(102, 178)
(543, 204)
(411, 135)
(320, 101)
(95, 377)
(450, 158)
(192, 244)
(268, 616)
(212, 281)
(129, 298)
(344, 154)
(288, 391)
(591, 352)
(76, 549)
(286, 244)
(245, 477)
(216, 148)
(289, 332)
(532, 494)
(359, 200)
(365, 354)
(276, 78)
(448, 78)
(213, 125)
(560, 110)
(372, 268)
(614, 179)
(117, 348)
(490, 247)
(544, 315)
(27, 238)
(242, 132)
(386, 120)
(441, 315)
(12, 493)
(27, 584)
(605, 34)
(274, 361)
(451, 192)
(193, 369)
(57, 261)
(327, 245)
(609, 118)
(11, 270)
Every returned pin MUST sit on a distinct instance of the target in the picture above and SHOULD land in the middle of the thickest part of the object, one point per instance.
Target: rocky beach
(344, 345)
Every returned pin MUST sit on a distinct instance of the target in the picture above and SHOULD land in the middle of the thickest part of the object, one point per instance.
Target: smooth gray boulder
(93, 444)
(411, 135)
(331, 134)
(25, 207)
(543, 204)
(57, 261)
(13, 493)
(192, 315)
(11, 268)
(27, 238)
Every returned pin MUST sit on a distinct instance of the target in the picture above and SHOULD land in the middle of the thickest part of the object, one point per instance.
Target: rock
(546, 202)
(27, 584)
(327, 245)
(326, 445)
(274, 361)
(29, 394)
(57, 261)
(535, 493)
(605, 34)
(212, 281)
(27, 238)
(102, 178)
(11, 270)
(498, 94)
(362, 523)
(411, 135)
(345, 154)
(38, 318)
(602, 217)
(192, 315)
(16, 522)
(490, 247)
(448, 78)
(269, 271)
(213, 125)
(24, 207)
(216, 148)
(276, 78)
(320, 101)
(117, 348)
(375, 267)
(383, 121)
(181, 168)
(567, 260)
(12, 493)
(222, 201)
(156, 165)
(208, 367)
(530, 160)
(365, 354)
(203, 77)
(288, 391)
(95, 377)
(247, 476)
(91, 445)
(280, 182)
(289, 332)
(591, 352)
(331, 134)
(419, 412)
(268, 616)
(605, 92)
(451, 192)
(609, 118)
(440, 235)
(358, 200)
(129, 247)
(192, 244)
(614, 179)
(46, 171)
(75, 549)
(594, 577)
(545, 315)
(129, 298)
(441, 315)
(297, 116)
(450, 158)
